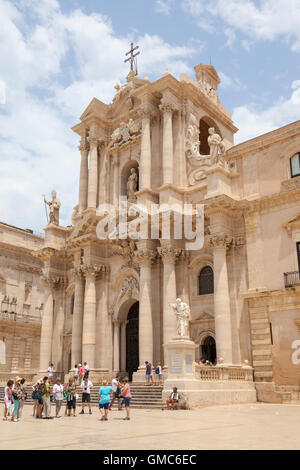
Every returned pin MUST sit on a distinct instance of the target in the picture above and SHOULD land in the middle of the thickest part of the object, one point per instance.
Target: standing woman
(71, 397)
(7, 398)
(126, 397)
(104, 399)
(16, 393)
(23, 396)
(58, 391)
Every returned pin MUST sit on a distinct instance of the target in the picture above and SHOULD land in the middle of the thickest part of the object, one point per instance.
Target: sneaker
(105, 418)
(81, 412)
(102, 418)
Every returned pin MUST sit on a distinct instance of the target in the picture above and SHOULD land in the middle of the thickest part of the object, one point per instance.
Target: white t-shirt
(58, 392)
(88, 385)
(86, 368)
(76, 371)
(114, 384)
(50, 371)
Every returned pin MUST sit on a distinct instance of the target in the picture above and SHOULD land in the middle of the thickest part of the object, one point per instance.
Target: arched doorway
(208, 349)
(132, 340)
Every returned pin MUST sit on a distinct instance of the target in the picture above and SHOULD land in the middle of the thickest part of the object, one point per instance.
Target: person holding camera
(86, 386)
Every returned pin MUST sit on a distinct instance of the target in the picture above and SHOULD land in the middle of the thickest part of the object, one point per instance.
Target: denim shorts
(71, 403)
(126, 401)
(148, 376)
(38, 397)
(103, 405)
(160, 376)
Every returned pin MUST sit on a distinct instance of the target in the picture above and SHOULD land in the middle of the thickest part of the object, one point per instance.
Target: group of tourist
(149, 374)
(14, 397)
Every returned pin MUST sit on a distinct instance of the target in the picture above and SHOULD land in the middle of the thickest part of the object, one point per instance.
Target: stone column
(145, 257)
(102, 321)
(84, 170)
(116, 345)
(116, 165)
(145, 159)
(219, 244)
(47, 326)
(89, 316)
(169, 255)
(102, 175)
(77, 317)
(168, 157)
(123, 346)
(93, 171)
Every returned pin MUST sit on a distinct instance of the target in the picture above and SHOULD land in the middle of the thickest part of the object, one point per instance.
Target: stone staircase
(143, 396)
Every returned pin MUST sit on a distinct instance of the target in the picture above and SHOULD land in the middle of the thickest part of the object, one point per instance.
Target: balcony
(291, 279)
(20, 318)
(224, 373)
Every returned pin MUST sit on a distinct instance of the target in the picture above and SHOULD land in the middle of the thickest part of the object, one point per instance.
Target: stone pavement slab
(257, 426)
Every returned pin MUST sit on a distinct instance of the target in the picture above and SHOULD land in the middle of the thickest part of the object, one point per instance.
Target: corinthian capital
(84, 144)
(145, 257)
(220, 240)
(53, 282)
(93, 271)
(169, 255)
(167, 105)
(93, 140)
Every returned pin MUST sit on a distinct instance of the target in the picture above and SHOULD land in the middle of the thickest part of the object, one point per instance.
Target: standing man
(86, 394)
(149, 373)
(116, 386)
(46, 398)
(86, 370)
(50, 373)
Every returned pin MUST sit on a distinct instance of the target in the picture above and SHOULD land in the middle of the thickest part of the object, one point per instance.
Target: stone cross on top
(132, 59)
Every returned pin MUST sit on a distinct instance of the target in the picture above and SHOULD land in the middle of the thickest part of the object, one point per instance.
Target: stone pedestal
(218, 181)
(216, 388)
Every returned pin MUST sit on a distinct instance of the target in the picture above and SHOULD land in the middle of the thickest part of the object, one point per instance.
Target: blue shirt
(104, 393)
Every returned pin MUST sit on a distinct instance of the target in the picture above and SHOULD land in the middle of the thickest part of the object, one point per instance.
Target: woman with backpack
(16, 395)
(71, 397)
(38, 401)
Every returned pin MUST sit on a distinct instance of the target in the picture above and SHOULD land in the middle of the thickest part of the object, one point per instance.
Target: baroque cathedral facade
(70, 297)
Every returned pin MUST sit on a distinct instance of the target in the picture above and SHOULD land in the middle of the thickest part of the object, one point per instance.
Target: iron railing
(292, 279)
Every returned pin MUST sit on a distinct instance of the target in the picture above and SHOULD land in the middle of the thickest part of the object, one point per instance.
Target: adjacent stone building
(108, 302)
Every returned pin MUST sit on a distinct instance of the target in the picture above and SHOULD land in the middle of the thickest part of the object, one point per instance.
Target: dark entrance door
(209, 349)
(132, 340)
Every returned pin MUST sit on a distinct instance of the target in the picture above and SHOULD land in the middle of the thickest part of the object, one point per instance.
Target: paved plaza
(258, 426)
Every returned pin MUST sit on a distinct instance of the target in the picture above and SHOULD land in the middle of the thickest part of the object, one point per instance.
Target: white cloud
(253, 121)
(268, 20)
(55, 63)
(164, 6)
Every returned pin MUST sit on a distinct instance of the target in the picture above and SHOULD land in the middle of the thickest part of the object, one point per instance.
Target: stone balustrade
(21, 318)
(224, 373)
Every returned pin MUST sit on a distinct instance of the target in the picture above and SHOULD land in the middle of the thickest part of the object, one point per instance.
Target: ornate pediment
(204, 317)
(125, 133)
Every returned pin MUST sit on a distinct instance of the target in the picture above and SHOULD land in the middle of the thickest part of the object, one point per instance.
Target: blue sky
(55, 56)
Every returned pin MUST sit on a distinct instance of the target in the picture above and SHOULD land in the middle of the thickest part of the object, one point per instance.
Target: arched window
(206, 281)
(295, 165)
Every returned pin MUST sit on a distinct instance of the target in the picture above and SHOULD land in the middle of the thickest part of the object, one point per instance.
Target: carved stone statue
(216, 146)
(182, 312)
(132, 185)
(124, 133)
(192, 142)
(54, 207)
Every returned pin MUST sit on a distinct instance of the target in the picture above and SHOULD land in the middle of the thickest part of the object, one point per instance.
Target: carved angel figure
(216, 146)
(182, 312)
(192, 142)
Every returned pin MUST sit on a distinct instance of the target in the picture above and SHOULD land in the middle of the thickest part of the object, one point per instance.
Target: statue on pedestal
(132, 185)
(216, 146)
(54, 207)
(182, 312)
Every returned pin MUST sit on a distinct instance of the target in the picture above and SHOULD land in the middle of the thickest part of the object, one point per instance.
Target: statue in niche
(54, 207)
(182, 312)
(216, 146)
(132, 183)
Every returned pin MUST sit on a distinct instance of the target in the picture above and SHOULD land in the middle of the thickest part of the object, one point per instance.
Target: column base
(140, 375)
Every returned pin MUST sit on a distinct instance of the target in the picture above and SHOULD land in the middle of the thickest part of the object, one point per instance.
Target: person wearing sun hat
(16, 392)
